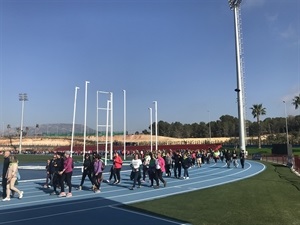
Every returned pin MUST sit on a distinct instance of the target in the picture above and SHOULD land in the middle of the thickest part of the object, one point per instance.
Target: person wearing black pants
(136, 165)
(97, 173)
(4, 171)
(66, 174)
(178, 163)
(242, 158)
(87, 170)
(58, 165)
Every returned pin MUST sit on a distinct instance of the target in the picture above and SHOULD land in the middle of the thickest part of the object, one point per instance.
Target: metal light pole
(209, 127)
(234, 5)
(124, 150)
(74, 116)
(22, 97)
(85, 114)
(151, 130)
(156, 126)
(286, 124)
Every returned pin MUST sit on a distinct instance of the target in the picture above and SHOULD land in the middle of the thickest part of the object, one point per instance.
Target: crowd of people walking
(156, 166)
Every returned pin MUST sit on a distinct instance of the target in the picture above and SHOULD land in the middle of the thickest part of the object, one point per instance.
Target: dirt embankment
(66, 141)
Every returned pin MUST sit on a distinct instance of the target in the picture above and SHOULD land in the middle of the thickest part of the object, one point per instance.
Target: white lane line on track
(173, 181)
(55, 214)
(147, 191)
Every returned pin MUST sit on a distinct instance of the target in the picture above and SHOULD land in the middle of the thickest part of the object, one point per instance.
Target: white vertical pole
(85, 113)
(151, 130)
(21, 129)
(209, 127)
(156, 129)
(106, 135)
(74, 116)
(124, 149)
(111, 126)
(97, 122)
(239, 88)
(286, 124)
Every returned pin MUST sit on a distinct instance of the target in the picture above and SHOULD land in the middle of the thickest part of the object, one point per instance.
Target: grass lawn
(272, 197)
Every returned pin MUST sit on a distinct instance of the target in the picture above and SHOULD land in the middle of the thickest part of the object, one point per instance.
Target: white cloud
(288, 33)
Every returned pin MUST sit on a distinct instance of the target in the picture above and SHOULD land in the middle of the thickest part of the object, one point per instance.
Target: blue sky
(179, 53)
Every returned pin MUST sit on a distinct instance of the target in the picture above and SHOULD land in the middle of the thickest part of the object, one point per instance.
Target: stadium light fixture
(286, 124)
(22, 97)
(234, 3)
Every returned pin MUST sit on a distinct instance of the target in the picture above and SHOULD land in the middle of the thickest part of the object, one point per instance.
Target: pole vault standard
(109, 123)
(73, 124)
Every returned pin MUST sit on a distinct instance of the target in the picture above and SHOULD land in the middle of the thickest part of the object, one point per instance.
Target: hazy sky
(180, 53)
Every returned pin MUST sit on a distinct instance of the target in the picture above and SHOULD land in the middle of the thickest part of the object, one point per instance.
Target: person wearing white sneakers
(11, 177)
(66, 174)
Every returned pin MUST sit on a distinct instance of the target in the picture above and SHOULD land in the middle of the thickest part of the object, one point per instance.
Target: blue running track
(87, 207)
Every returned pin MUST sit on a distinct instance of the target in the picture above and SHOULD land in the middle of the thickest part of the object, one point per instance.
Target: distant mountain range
(57, 129)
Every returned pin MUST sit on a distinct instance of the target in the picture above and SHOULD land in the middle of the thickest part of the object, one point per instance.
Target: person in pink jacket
(66, 175)
(160, 168)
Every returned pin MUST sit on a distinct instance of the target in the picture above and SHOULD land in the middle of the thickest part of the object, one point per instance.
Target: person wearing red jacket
(117, 164)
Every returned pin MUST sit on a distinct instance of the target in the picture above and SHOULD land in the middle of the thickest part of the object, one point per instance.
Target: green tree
(296, 101)
(257, 111)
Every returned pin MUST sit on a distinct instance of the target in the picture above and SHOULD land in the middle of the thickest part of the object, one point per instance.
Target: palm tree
(296, 101)
(257, 111)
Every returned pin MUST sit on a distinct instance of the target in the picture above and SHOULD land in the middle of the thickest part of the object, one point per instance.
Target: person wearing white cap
(66, 175)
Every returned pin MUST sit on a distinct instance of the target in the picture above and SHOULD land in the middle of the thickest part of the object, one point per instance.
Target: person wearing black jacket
(228, 157)
(4, 171)
(242, 158)
(58, 165)
(87, 170)
(178, 164)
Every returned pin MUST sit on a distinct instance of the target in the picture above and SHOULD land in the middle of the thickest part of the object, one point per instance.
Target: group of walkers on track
(157, 166)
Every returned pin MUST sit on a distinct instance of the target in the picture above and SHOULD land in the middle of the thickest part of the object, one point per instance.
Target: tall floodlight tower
(22, 97)
(235, 7)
